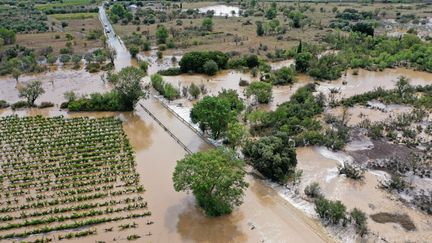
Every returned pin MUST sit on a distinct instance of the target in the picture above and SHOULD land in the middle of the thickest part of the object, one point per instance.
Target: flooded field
(320, 165)
(55, 84)
(366, 81)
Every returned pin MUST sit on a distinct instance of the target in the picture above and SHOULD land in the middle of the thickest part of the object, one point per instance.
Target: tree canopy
(32, 91)
(215, 177)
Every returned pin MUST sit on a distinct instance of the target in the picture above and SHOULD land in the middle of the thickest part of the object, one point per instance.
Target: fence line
(167, 130)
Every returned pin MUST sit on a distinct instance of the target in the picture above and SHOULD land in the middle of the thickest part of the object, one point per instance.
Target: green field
(66, 3)
(73, 16)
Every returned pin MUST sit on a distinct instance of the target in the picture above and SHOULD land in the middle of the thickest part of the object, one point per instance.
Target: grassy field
(66, 3)
(62, 174)
(73, 16)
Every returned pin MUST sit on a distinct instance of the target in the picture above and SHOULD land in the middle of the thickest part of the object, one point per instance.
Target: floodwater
(360, 113)
(369, 80)
(221, 10)
(55, 84)
(320, 165)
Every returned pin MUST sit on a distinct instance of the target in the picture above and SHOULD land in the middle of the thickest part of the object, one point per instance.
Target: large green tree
(271, 156)
(215, 177)
(213, 113)
(128, 84)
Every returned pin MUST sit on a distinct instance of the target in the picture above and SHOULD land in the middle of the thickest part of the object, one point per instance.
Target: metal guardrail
(167, 130)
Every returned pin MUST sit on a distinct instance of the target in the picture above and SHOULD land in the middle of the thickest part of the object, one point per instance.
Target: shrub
(331, 211)
(272, 157)
(3, 104)
(360, 221)
(173, 71)
(313, 190)
(210, 67)
(283, 76)
(194, 61)
(194, 91)
(20, 104)
(143, 65)
(46, 104)
(133, 50)
(394, 183)
(351, 171)
(261, 90)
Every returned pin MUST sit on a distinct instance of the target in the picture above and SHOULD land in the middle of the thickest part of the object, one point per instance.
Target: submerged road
(263, 217)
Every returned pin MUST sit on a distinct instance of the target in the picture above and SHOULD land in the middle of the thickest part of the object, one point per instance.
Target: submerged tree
(128, 84)
(32, 91)
(215, 177)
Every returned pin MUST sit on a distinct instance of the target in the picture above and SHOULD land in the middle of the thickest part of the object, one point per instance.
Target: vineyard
(65, 174)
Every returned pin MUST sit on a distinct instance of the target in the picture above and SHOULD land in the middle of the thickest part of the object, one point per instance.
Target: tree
(133, 50)
(252, 61)
(363, 27)
(236, 134)
(7, 35)
(302, 61)
(161, 34)
(128, 84)
(194, 61)
(332, 211)
(16, 73)
(111, 54)
(259, 28)
(404, 87)
(261, 90)
(272, 157)
(285, 75)
(207, 24)
(210, 67)
(32, 91)
(212, 113)
(232, 97)
(194, 90)
(215, 177)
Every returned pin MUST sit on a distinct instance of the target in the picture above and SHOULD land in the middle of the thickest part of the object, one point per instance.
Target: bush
(46, 104)
(110, 101)
(351, 171)
(173, 71)
(283, 76)
(313, 190)
(20, 104)
(194, 61)
(143, 65)
(332, 211)
(394, 183)
(133, 50)
(261, 90)
(3, 104)
(360, 221)
(210, 67)
(272, 157)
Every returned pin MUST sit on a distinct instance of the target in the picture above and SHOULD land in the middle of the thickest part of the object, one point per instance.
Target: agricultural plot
(65, 174)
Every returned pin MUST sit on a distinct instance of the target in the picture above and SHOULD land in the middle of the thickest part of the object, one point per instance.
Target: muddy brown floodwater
(368, 80)
(320, 165)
